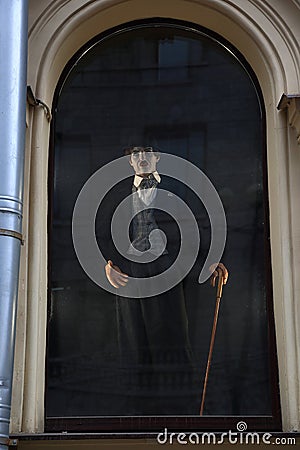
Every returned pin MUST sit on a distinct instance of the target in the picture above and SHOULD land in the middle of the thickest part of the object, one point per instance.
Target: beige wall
(267, 33)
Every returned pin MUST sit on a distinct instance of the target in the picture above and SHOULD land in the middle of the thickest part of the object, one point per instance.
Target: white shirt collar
(138, 179)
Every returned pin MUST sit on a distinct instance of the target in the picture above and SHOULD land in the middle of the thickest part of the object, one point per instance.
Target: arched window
(182, 91)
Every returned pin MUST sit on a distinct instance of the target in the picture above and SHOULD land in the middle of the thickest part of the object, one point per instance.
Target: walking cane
(213, 333)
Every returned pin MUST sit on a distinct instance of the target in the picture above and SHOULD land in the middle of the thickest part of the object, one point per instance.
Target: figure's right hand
(115, 276)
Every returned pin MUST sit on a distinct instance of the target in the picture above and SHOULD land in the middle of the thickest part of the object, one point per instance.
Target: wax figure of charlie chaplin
(157, 370)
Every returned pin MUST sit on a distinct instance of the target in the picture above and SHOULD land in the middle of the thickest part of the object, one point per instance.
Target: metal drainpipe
(13, 64)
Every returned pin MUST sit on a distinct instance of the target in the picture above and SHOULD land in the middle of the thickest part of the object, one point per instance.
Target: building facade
(267, 35)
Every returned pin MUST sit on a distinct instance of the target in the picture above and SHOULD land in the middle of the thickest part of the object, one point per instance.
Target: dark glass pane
(105, 354)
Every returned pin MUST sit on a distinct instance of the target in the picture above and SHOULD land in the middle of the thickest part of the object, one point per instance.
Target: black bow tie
(148, 182)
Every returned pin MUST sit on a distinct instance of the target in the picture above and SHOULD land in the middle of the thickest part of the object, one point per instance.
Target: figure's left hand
(215, 274)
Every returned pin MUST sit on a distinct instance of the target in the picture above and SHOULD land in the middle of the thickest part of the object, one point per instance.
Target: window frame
(144, 426)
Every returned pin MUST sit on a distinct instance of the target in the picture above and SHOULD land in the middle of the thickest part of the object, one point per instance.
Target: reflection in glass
(187, 95)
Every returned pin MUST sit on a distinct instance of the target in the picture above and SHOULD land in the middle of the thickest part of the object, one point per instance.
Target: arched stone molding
(259, 29)
(266, 32)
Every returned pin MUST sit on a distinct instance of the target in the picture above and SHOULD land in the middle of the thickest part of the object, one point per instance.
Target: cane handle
(220, 282)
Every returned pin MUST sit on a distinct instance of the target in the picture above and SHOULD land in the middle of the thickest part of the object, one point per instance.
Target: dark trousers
(157, 374)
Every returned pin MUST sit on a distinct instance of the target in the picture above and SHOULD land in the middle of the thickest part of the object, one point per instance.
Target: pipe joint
(13, 234)
(11, 217)
(11, 204)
